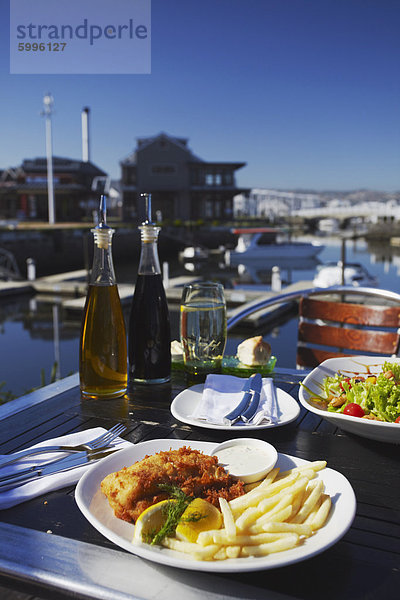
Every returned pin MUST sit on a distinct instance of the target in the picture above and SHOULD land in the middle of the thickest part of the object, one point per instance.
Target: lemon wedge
(210, 518)
(150, 520)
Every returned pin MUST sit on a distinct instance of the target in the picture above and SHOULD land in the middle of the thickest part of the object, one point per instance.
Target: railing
(296, 295)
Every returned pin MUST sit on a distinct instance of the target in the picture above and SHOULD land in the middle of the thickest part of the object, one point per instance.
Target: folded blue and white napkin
(222, 393)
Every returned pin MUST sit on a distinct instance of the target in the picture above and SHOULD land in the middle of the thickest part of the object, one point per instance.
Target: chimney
(85, 135)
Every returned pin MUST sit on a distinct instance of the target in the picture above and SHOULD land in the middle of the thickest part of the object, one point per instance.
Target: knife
(237, 412)
(56, 466)
(252, 408)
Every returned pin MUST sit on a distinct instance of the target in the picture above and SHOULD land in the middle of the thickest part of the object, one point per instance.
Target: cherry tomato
(353, 410)
(398, 419)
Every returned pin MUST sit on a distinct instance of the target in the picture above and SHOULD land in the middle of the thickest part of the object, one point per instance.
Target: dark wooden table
(49, 549)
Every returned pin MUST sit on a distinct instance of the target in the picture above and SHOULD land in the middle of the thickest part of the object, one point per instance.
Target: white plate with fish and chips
(95, 507)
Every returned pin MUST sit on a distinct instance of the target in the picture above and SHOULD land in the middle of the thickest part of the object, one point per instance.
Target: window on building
(228, 208)
(208, 209)
(129, 175)
(228, 178)
(214, 178)
(209, 179)
(32, 207)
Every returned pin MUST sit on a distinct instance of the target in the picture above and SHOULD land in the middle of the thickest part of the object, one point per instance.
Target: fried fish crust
(133, 489)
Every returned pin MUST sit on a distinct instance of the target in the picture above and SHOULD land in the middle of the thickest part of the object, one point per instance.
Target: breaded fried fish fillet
(132, 489)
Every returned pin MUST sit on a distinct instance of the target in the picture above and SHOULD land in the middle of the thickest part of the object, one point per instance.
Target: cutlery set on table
(248, 406)
(18, 468)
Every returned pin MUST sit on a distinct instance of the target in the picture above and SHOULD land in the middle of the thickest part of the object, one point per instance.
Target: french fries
(273, 516)
(229, 521)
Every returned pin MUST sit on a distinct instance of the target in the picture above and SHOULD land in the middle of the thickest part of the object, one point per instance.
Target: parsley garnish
(173, 511)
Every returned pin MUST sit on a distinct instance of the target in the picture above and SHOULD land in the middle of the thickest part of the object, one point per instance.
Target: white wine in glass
(203, 327)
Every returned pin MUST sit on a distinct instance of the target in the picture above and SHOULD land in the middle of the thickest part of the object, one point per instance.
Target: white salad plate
(349, 367)
(95, 507)
(184, 404)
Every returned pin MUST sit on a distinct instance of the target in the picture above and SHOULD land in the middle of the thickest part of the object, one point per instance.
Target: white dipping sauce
(247, 459)
(242, 459)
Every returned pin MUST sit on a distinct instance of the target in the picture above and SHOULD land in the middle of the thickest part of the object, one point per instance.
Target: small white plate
(183, 406)
(350, 366)
(95, 507)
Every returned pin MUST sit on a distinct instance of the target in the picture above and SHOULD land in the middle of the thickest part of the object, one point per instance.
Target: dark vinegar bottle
(149, 336)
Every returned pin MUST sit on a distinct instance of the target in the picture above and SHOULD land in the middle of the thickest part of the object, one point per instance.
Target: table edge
(40, 395)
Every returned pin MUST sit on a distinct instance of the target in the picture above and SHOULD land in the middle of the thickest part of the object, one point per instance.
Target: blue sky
(306, 92)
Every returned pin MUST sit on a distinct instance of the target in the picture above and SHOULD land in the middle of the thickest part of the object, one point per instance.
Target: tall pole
(47, 112)
(85, 135)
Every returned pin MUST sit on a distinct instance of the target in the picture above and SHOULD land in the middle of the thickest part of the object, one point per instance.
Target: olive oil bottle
(103, 368)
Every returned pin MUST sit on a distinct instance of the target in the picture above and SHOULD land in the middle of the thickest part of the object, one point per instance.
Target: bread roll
(176, 349)
(254, 351)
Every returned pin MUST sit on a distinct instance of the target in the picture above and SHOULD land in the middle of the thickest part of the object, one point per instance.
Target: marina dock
(69, 291)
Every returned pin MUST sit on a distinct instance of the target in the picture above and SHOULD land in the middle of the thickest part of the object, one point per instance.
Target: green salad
(369, 396)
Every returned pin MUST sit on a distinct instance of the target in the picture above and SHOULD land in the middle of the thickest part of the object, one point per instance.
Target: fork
(101, 442)
(66, 463)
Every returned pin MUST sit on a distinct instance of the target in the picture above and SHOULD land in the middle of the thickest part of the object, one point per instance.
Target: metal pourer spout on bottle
(103, 267)
(102, 232)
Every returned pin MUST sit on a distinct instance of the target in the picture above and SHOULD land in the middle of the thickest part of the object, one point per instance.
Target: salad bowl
(349, 366)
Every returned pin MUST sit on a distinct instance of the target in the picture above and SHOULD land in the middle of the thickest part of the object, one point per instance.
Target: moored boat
(354, 274)
(194, 252)
(264, 242)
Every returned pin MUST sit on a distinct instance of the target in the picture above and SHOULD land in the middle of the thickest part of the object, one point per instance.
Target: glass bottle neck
(149, 263)
(103, 267)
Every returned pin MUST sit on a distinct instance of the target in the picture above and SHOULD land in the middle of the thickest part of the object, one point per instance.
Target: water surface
(36, 334)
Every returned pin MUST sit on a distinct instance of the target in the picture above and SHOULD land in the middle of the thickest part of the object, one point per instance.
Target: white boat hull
(355, 275)
(280, 250)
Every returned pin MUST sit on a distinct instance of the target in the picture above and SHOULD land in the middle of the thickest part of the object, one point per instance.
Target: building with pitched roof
(23, 189)
(183, 186)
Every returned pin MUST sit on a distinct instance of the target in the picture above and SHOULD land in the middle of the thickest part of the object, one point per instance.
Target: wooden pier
(69, 291)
